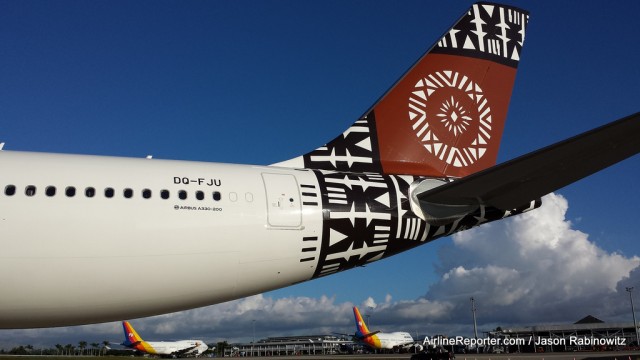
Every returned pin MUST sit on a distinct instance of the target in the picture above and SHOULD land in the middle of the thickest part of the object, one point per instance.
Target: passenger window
(30, 190)
(146, 193)
(10, 190)
(70, 191)
(89, 192)
(128, 193)
(217, 196)
(50, 191)
(199, 195)
(164, 194)
(182, 195)
(108, 192)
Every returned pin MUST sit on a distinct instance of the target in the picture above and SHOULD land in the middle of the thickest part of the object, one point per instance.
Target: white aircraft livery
(163, 348)
(160, 236)
(379, 340)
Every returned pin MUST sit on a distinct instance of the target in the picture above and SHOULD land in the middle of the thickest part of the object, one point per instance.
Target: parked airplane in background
(417, 166)
(163, 348)
(379, 340)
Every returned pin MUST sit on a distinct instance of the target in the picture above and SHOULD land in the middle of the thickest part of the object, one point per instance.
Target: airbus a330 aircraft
(379, 340)
(417, 166)
(163, 348)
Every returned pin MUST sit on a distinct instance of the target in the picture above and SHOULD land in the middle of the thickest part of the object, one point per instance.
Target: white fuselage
(88, 239)
(394, 340)
(179, 253)
(176, 347)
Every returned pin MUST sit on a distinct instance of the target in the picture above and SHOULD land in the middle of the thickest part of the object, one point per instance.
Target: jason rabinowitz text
(532, 340)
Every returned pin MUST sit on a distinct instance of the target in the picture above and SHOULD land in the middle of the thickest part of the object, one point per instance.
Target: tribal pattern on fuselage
(367, 217)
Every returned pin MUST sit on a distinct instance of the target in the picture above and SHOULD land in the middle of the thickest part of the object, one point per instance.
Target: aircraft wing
(409, 344)
(130, 345)
(188, 349)
(517, 182)
(183, 351)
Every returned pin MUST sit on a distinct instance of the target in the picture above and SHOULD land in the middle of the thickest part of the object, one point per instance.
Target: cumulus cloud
(532, 268)
(369, 303)
(265, 315)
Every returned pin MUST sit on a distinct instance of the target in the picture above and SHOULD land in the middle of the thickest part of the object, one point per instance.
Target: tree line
(92, 349)
(83, 348)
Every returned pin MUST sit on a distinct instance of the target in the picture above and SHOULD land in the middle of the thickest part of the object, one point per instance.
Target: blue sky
(259, 82)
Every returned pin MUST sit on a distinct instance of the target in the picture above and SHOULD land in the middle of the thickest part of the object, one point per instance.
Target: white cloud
(369, 303)
(530, 268)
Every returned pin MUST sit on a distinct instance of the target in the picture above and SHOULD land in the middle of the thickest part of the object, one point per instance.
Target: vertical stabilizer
(362, 331)
(361, 326)
(446, 114)
(131, 337)
(134, 341)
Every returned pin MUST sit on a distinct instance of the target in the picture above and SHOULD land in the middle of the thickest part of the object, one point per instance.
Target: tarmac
(613, 355)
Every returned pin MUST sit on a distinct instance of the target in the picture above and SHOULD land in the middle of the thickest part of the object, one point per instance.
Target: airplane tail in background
(361, 326)
(362, 331)
(446, 114)
(131, 337)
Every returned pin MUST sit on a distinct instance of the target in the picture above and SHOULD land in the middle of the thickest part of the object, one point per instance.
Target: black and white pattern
(310, 241)
(475, 34)
(367, 217)
(359, 223)
(355, 150)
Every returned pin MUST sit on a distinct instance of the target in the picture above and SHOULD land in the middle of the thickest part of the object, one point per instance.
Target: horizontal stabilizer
(370, 334)
(518, 182)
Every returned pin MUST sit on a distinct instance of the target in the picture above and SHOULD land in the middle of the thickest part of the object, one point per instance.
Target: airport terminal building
(293, 345)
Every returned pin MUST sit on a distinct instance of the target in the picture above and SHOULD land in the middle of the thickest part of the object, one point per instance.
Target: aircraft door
(283, 200)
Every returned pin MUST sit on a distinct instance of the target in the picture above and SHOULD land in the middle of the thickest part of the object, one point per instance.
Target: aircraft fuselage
(394, 340)
(139, 237)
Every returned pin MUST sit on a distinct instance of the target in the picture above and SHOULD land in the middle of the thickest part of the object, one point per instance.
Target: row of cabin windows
(70, 191)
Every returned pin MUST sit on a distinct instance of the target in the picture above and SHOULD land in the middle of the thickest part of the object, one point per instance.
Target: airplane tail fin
(446, 114)
(131, 337)
(362, 331)
(361, 326)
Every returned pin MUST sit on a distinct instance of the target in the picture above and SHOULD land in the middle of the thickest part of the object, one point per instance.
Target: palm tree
(69, 348)
(59, 348)
(82, 344)
(94, 346)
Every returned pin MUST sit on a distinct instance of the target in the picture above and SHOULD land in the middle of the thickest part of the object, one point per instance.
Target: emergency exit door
(283, 200)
